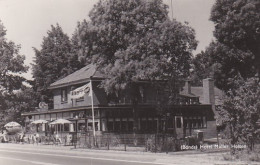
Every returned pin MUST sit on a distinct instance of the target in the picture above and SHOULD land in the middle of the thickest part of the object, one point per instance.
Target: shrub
(254, 157)
(162, 144)
(243, 155)
(114, 141)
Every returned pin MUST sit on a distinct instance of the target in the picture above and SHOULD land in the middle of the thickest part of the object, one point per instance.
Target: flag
(81, 91)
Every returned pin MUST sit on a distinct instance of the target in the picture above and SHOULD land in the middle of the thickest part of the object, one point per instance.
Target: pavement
(27, 154)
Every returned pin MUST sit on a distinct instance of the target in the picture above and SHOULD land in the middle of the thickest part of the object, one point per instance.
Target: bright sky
(27, 21)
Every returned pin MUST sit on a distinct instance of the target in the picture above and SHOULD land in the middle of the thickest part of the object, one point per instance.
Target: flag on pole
(93, 112)
(81, 91)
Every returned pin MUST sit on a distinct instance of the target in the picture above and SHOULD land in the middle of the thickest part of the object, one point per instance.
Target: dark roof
(80, 76)
(198, 92)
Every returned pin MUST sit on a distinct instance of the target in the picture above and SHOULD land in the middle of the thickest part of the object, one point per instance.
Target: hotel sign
(80, 92)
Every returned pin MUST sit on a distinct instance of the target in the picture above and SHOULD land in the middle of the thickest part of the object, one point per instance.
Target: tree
(53, 61)
(135, 40)
(237, 26)
(82, 43)
(11, 64)
(223, 64)
(11, 67)
(241, 109)
(21, 101)
(236, 49)
(236, 53)
(201, 68)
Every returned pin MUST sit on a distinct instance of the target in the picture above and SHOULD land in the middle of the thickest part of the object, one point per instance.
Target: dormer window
(64, 95)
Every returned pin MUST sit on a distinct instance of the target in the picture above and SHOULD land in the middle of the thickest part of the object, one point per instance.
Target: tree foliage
(11, 64)
(11, 80)
(236, 49)
(241, 110)
(223, 64)
(53, 61)
(237, 25)
(16, 104)
(233, 61)
(135, 40)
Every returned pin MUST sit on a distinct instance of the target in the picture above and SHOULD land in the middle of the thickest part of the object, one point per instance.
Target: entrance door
(179, 126)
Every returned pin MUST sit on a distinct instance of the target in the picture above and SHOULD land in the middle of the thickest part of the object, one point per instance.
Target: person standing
(21, 137)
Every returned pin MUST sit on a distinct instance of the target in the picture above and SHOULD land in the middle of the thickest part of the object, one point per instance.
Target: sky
(27, 21)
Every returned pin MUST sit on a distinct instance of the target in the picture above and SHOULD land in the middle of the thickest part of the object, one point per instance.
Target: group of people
(33, 138)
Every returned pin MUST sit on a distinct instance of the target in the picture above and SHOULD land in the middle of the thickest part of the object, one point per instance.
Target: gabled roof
(80, 76)
(198, 92)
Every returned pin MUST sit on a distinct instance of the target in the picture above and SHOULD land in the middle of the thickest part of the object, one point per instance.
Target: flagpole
(93, 114)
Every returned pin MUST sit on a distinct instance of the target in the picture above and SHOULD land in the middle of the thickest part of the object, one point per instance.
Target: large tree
(53, 61)
(233, 59)
(223, 64)
(236, 49)
(237, 26)
(135, 40)
(11, 80)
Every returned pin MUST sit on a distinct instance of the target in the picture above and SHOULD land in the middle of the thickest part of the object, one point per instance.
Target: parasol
(12, 124)
(39, 122)
(60, 121)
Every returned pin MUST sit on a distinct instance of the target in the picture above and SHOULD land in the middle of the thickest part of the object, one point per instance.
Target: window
(64, 96)
(37, 117)
(185, 122)
(66, 115)
(200, 122)
(110, 126)
(81, 127)
(204, 121)
(195, 122)
(130, 125)
(66, 127)
(123, 126)
(117, 126)
(178, 122)
(53, 116)
(42, 117)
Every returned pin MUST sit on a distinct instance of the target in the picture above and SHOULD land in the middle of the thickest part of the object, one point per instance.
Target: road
(29, 156)
(18, 154)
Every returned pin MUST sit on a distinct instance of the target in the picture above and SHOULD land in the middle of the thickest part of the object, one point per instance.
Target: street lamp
(76, 130)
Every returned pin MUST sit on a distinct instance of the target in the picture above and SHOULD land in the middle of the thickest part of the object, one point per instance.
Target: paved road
(18, 154)
(21, 156)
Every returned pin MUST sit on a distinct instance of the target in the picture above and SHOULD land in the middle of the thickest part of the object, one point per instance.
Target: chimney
(208, 92)
(187, 86)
